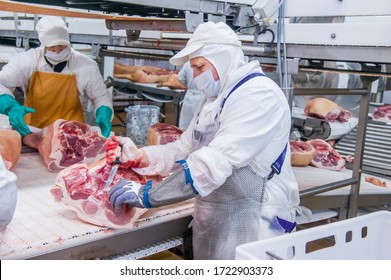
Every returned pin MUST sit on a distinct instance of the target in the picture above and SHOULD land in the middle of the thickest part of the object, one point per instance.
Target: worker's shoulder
(27, 55)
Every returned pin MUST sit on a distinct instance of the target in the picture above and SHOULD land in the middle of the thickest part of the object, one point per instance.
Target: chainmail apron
(231, 214)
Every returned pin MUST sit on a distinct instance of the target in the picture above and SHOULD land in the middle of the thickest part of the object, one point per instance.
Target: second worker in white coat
(234, 157)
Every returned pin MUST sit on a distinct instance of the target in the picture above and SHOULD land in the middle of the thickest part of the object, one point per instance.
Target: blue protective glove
(103, 119)
(10, 107)
(125, 192)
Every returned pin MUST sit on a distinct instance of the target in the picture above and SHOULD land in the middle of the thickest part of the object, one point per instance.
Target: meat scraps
(326, 156)
(82, 189)
(326, 109)
(375, 181)
(65, 143)
(162, 133)
(10, 147)
(302, 153)
(382, 113)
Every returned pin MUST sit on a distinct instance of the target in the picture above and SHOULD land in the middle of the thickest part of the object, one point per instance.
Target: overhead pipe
(177, 45)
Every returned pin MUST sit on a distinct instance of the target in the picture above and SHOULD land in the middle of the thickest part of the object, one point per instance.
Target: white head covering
(52, 31)
(206, 34)
(225, 58)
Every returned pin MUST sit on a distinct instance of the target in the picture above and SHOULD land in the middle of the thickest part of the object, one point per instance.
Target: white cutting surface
(309, 176)
(41, 225)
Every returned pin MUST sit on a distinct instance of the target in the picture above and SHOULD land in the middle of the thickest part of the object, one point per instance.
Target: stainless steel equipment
(377, 153)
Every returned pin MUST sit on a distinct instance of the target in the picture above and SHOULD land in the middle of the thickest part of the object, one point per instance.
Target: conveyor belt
(42, 228)
(377, 152)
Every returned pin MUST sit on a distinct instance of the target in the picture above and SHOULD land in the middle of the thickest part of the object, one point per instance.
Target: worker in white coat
(234, 158)
(7, 196)
(58, 83)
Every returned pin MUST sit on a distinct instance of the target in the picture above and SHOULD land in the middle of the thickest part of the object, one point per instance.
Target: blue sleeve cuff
(186, 169)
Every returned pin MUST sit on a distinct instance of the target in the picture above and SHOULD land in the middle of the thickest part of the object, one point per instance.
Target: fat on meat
(65, 143)
(10, 147)
(326, 156)
(382, 113)
(81, 188)
(162, 133)
(326, 109)
(302, 153)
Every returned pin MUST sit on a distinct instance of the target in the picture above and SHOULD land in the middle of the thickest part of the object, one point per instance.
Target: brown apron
(53, 96)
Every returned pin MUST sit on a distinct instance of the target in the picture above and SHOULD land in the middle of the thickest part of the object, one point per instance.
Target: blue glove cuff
(104, 111)
(146, 189)
(6, 103)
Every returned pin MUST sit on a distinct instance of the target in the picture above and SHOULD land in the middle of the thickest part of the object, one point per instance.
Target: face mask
(207, 84)
(55, 58)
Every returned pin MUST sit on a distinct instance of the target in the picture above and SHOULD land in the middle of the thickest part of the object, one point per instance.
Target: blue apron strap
(286, 225)
(241, 82)
(277, 165)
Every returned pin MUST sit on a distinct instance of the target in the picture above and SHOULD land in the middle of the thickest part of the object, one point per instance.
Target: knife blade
(113, 171)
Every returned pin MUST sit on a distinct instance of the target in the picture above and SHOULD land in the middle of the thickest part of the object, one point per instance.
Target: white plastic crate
(367, 237)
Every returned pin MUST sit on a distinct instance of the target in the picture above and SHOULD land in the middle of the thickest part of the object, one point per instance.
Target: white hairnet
(52, 31)
(205, 34)
(225, 58)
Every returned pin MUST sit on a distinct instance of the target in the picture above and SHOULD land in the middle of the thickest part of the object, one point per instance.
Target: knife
(111, 176)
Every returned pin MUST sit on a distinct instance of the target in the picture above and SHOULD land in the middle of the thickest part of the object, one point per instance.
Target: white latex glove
(124, 150)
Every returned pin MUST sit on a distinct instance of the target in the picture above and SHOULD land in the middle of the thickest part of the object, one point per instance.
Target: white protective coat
(7, 196)
(18, 71)
(251, 131)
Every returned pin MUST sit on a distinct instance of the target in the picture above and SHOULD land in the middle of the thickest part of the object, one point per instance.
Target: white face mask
(207, 84)
(56, 58)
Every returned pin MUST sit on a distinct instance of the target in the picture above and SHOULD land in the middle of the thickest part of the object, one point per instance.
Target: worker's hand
(123, 149)
(16, 117)
(103, 119)
(172, 82)
(15, 112)
(125, 192)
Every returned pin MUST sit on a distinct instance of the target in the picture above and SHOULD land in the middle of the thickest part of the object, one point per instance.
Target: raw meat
(326, 157)
(326, 109)
(82, 189)
(375, 181)
(302, 153)
(162, 133)
(10, 147)
(382, 113)
(65, 143)
(142, 74)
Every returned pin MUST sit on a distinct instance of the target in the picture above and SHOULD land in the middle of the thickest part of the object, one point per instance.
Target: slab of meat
(141, 74)
(382, 113)
(302, 153)
(10, 147)
(162, 133)
(326, 109)
(326, 157)
(82, 189)
(65, 143)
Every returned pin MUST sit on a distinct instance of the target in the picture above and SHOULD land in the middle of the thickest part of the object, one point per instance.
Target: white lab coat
(7, 196)
(91, 88)
(254, 129)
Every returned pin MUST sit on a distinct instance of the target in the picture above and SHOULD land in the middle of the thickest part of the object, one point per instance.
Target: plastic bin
(138, 119)
(366, 237)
